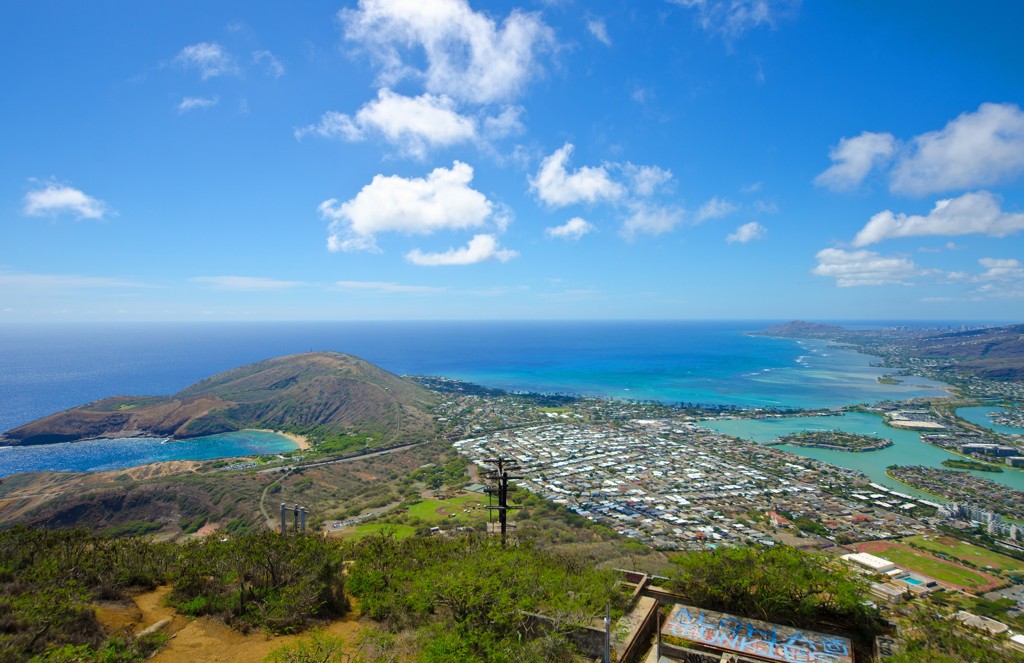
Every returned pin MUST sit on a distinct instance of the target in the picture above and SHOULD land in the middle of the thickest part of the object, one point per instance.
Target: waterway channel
(981, 415)
(907, 447)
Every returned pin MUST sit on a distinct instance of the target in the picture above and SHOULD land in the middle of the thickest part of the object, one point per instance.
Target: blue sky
(444, 159)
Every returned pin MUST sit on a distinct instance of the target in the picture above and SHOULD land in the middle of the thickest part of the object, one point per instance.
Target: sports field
(464, 508)
(949, 573)
(980, 557)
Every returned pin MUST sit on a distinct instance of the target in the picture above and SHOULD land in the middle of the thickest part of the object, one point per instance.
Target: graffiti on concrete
(757, 638)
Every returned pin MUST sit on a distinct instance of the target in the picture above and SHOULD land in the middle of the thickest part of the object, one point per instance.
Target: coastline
(304, 444)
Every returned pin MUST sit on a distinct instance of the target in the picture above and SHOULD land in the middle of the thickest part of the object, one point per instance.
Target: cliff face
(334, 392)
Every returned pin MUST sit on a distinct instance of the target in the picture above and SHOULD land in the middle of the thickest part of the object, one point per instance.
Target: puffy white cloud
(274, 66)
(245, 283)
(558, 187)
(715, 208)
(733, 18)
(975, 149)
(415, 206)
(479, 249)
(853, 158)
(599, 30)
(574, 229)
(209, 58)
(857, 268)
(192, 103)
(650, 220)
(972, 213)
(387, 287)
(468, 56)
(414, 124)
(54, 199)
(747, 233)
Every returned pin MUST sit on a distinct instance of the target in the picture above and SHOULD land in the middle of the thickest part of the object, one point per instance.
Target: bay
(121, 453)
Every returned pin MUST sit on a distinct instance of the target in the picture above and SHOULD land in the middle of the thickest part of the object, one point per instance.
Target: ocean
(46, 369)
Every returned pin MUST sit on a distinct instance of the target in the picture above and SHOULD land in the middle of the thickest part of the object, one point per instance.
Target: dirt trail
(203, 639)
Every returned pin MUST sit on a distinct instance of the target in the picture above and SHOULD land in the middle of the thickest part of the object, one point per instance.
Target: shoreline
(301, 440)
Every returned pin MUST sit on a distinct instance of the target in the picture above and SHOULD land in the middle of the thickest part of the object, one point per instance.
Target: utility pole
(501, 476)
(608, 632)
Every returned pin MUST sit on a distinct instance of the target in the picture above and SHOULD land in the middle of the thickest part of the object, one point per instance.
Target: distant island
(326, 396)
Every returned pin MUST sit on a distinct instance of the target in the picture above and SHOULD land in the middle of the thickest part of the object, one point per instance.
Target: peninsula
(321, 395)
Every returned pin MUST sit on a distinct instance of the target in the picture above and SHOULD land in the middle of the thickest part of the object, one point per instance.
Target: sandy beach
(297, 439)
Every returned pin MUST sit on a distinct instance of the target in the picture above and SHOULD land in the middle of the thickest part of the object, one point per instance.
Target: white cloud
(411, 123)
(55, 199)
(853, 158)
(574, 229)
(747, 233)
(414, 124)
(387, 287)
(209, 58)
(1001, 269)
(274, 66)
(599, 30)
(650, 220)
(333, 125)
(479, 249)
(715, 208)
(23, 281)
(245, 283)
(415, 206)
(1003, 278)
(468, 56)
(858, 268)
(505, 123)
(975, 149)
(557, 187)
(972, 213)
(645, 180)
(192, 103)
(733, 18)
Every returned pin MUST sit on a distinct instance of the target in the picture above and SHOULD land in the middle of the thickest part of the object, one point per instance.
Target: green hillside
(325, 395)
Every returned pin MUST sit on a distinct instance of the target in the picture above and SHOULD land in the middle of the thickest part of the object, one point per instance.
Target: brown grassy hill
(994, 352)
(324, 393)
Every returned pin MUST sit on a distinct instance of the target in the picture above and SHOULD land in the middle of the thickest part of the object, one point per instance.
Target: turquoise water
(910, 580)
(981, 415)
(120, 453)
(45, 369)
(907, 447)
